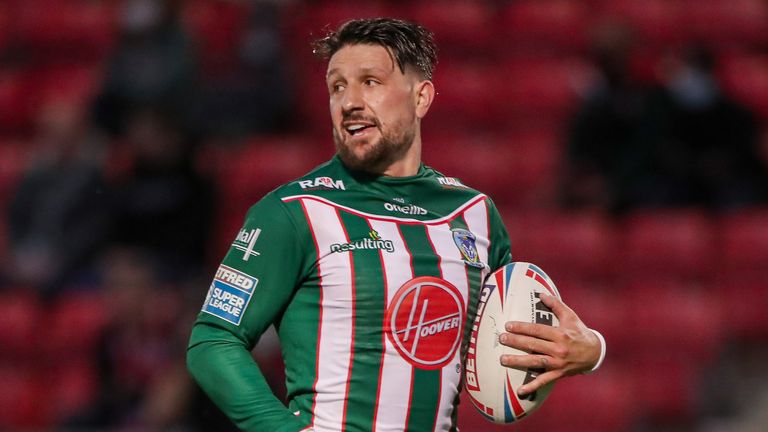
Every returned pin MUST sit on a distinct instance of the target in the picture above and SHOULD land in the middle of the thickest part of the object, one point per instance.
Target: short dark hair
(410, 43)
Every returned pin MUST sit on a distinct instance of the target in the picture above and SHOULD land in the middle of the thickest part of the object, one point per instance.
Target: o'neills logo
(373, 241)
(408, 209)
(424, 321)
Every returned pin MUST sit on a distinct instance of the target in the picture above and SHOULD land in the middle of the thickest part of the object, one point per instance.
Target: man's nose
(353, 99)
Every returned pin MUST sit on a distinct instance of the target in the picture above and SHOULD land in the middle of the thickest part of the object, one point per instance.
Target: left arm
(569, 349)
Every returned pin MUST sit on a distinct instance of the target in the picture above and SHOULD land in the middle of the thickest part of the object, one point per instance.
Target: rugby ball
(509, 294)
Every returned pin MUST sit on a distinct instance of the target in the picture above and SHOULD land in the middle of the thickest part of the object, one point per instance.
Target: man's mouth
(357, 128)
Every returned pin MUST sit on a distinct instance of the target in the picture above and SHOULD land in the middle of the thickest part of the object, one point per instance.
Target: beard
(379, 155)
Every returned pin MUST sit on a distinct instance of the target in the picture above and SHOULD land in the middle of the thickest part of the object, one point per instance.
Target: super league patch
(229, 294)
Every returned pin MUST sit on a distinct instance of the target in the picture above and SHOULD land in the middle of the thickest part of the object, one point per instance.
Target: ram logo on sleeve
(229, 294)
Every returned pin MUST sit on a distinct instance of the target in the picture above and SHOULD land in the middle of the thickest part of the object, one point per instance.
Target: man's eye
(371, 82)
(337, 88)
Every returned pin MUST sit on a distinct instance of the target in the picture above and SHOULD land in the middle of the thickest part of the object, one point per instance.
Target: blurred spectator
(606, 125)
(682, 143)
(163, 204)
(58, 217)
(700, 147)
(153, 64)
(251, 94)
(142, 379)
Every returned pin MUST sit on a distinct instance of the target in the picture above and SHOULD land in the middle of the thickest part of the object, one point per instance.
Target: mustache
(353, 116)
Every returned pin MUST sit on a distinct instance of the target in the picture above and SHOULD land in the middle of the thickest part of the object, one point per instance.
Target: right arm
(251, 289)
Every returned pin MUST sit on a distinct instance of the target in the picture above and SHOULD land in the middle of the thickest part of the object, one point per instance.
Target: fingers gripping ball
(509, 294)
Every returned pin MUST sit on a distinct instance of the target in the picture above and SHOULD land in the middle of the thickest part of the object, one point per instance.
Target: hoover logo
(424, 322)
(322, 183)
(373, 241)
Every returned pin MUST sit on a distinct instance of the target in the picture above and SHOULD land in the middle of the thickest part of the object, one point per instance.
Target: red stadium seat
(663, 312)
(510, 95)
(217, 28)
(744, 302)
(66, 30)
(462, 27)
(744, 78)
(469, 95)
(22, 406)
(729, 24)
(331, 14)
(313, 111)
(536, 26)
(673, 242)
(744, 243)
(20, 316)
(542, 91)
(515, 170)
(570, 245)
(71, 387)
(74, 324)
(75, 83)
(13, 161)
(664, 388)
(5, 26)
(269, 161)
(16, 108)
(658, 22)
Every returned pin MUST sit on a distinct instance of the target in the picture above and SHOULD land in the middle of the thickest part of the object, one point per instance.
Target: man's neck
(403, 168)
(409, 164)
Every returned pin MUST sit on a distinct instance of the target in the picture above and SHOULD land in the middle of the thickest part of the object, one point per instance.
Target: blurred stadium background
(624, 141)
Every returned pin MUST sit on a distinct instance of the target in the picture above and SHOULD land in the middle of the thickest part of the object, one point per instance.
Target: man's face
(373, 107)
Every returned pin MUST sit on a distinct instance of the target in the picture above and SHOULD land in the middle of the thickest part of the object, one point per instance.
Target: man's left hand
(569, 349)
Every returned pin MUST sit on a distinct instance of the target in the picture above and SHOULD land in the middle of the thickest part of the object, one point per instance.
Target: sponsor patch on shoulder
(322, 183)
(229, 294)
(450, 182)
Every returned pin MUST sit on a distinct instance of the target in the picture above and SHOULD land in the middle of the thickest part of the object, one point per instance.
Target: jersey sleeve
(249, 292)
(500, 253)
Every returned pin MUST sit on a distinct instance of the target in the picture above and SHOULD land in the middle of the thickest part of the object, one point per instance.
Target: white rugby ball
(509, 294)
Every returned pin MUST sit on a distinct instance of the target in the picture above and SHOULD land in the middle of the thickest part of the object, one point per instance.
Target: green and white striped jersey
(372, 284)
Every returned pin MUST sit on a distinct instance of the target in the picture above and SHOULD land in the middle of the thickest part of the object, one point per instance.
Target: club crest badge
(465, 241)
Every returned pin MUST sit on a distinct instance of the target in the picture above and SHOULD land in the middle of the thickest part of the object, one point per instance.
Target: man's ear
(425, 94)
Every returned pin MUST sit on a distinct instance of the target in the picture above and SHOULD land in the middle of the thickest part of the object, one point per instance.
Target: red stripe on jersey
(383, 334)
(410, 400)
(439, 399)
(442, 276)
(434, 251)
(320, 311)
(413, 273)
(352, 339)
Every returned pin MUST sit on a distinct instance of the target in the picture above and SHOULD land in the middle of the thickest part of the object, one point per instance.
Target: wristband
(602, 352)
